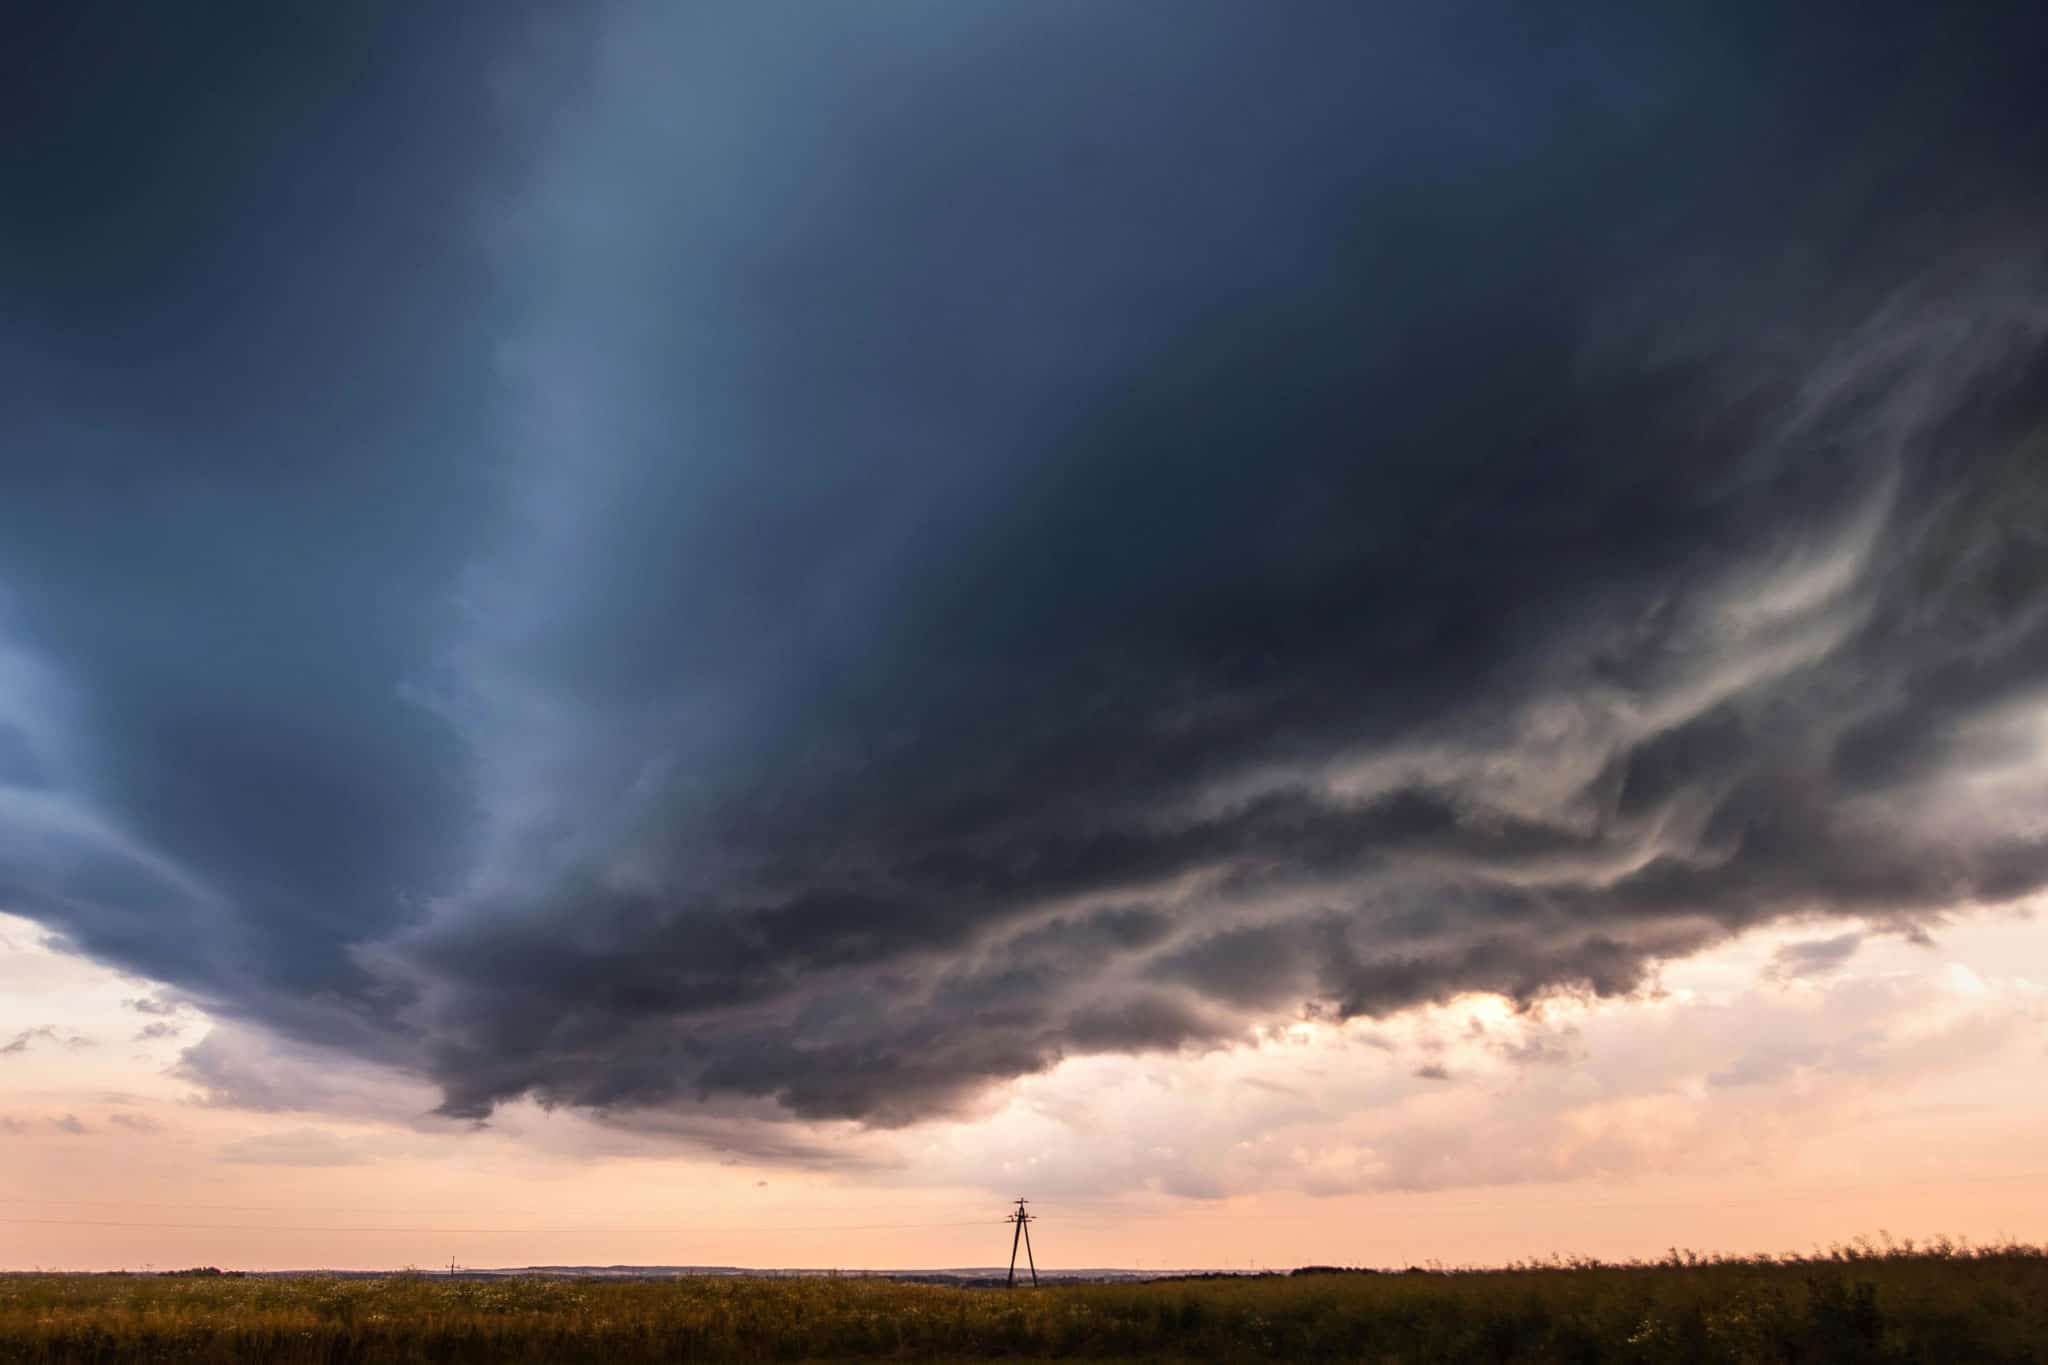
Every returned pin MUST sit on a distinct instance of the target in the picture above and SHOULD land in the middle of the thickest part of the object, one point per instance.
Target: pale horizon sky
(1874, 1085)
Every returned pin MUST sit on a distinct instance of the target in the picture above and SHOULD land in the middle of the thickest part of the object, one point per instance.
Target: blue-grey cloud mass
(828, 558)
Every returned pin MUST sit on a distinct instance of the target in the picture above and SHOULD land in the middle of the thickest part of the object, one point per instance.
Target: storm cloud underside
(813, 565)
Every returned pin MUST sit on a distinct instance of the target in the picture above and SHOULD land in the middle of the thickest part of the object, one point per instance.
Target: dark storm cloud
(725, 561)
(243, 264)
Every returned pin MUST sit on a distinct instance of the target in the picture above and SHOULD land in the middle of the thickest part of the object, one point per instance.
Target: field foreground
(1853, 1305)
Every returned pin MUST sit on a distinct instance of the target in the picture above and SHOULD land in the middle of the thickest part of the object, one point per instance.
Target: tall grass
(1852, 1304)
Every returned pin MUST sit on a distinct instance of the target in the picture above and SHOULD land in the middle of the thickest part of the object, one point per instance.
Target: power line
(304, 1208)
(615, 1232)
(1490, 1202)
(228, 1208)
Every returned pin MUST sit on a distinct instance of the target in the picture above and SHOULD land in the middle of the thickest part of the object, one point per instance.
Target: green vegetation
(1855, 1304)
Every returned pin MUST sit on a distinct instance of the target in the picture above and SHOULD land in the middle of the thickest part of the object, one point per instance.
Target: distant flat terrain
(1988, 1306)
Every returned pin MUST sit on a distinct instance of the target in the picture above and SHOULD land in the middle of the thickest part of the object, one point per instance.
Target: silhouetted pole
(1021, 1233)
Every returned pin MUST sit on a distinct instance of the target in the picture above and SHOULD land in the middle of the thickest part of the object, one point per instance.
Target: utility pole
(1023, 1232)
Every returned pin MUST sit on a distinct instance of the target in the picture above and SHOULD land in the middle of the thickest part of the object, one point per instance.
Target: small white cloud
(1963, 981)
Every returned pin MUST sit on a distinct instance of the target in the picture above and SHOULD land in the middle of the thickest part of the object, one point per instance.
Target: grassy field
(1853, 1305)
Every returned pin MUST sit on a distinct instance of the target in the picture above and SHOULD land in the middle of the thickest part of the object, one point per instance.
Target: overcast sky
(1267, 608)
